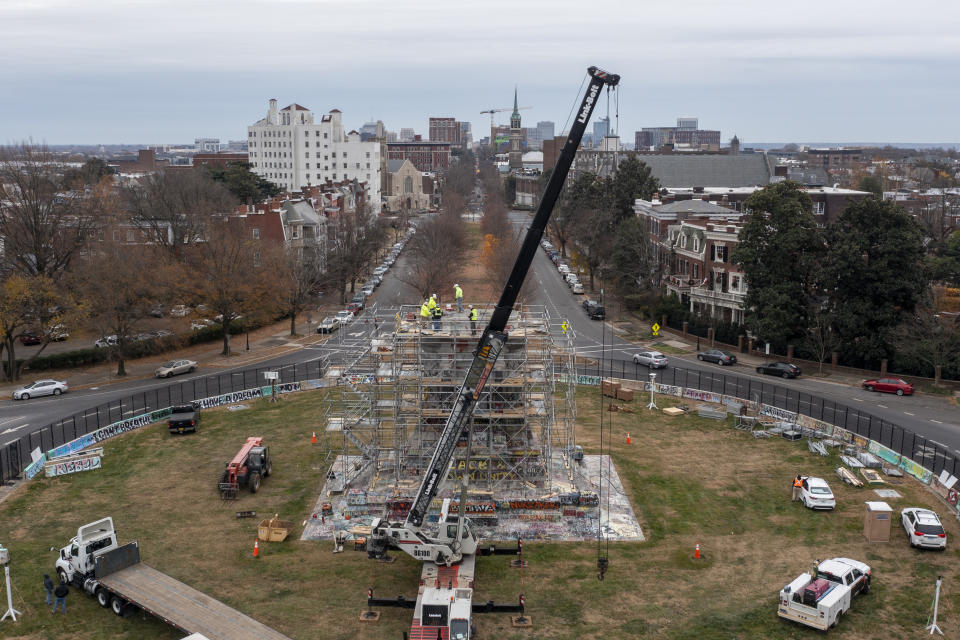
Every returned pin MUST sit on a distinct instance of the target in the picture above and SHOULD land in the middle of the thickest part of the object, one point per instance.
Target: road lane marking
(908, 413)
(937, 421)
(883, 406)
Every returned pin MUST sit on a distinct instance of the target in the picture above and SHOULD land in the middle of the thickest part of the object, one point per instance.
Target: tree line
(80, 252)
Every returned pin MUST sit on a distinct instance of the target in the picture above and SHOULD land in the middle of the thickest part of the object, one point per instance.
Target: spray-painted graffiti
(75, 465)
(666, 390)
(703, 396)
(778, 413)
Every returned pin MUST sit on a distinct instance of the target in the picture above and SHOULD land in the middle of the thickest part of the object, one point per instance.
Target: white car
(345, 317)
(563, 269)
(180, 310)
(106, 341)
(651, 359)
(923, 528)
(196, 325)
(576, 287)
(571, 278)
(40, 388)
(815, 493)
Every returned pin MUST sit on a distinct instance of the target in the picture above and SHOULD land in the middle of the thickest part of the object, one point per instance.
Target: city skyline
(161, 72)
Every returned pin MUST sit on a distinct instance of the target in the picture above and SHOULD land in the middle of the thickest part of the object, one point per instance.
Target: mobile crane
(455, 539)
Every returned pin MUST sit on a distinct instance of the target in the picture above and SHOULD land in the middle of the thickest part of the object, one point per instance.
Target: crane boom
(485, 357)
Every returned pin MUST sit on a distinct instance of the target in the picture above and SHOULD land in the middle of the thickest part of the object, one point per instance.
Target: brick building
(834, 158)
(432, 157)
(445, 130)
(219, 160)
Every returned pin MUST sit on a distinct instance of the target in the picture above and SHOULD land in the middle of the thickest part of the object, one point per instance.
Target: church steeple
(516, 135)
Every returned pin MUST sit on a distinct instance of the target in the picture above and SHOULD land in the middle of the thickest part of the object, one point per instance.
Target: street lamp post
(653, 381)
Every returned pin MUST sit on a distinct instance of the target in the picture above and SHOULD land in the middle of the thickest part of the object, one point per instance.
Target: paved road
(931, 417)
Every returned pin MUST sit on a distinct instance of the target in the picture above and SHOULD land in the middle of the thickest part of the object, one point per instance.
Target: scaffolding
(395, 399)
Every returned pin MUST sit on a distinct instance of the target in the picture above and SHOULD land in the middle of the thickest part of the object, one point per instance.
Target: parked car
(40, 388)
(156, 311)
(718, 356)
(175, 368)
(355, 308)
(29, 337)
(179, 310)
(106, 341)
(571, 278)
(898, 386)
(652, 359)
(815, 493)
(328, 325)
(196, 325)
(345, 316)
(564, 269)
(782, 369)
(923, 528)
(159, 333)
(594, 309)
(576, 287)
(368, 289)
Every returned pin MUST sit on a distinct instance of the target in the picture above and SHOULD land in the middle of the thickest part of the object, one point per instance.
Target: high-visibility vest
(473, 315)
(458, 292)
(438, 312)
(432, 304)
(797, 482)
(424, 310)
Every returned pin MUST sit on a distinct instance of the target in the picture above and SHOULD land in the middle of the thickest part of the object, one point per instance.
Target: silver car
(40, 388)
(923, 528)
(652, 359)
(175, 367)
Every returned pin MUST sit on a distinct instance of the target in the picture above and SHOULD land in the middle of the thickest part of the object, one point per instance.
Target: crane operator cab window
(452, 531)
(459, 629)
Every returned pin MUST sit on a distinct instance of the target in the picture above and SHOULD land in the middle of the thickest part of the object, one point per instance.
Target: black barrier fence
(15, 456)
(908, 444)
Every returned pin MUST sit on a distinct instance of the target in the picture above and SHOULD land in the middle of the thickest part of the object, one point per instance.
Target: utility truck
(115, 576)
(819, 600)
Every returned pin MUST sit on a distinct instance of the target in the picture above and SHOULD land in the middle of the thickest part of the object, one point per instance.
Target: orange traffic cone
(256, 549)
(628, 439)
(314, 439)
(696, 552)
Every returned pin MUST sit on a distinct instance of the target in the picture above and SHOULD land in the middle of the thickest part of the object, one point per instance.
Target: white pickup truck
(819, 601)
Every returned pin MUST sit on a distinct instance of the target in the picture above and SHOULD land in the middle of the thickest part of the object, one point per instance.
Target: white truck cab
(819, 601)
(77, 559)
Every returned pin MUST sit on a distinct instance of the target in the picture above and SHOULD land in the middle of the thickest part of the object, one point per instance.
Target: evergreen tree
(873, 275)
(779, 251)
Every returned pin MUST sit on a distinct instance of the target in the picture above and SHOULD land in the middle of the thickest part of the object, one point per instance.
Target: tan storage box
(876, 522)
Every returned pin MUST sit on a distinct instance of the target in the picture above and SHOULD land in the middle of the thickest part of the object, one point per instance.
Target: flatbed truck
(115, 576)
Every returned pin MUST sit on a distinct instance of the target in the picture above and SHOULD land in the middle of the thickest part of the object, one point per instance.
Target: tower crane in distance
(493, 111)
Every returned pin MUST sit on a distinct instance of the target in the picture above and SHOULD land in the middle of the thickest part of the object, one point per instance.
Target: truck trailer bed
(183, 606)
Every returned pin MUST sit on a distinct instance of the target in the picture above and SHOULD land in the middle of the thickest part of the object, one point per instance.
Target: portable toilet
(876, 523)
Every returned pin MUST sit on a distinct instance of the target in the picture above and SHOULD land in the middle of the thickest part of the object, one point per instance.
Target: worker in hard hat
(432, 303)
(473, 321)
(425, 313)
(458, 294)
(437, 317)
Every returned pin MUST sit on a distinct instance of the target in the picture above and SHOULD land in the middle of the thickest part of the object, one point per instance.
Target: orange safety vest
(797, 482)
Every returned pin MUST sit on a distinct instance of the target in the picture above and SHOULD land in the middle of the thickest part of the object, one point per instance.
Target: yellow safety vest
(458, 292)
(473, 315)
(432, 304)
(424, 310)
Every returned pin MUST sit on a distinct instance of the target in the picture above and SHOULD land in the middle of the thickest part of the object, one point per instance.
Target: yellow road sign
(656, 329)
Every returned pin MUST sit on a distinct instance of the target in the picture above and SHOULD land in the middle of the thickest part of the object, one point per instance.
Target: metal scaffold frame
(395, 399)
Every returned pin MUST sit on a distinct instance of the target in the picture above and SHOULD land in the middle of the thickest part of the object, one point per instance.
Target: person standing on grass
(797, 486)
(48, 587)
(61, 594)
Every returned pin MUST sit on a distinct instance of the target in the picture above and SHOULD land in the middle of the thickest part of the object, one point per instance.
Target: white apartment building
(291, 150)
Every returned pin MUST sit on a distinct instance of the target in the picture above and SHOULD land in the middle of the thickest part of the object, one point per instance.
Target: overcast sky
(115, 71)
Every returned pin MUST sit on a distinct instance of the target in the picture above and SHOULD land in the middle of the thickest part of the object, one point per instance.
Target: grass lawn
(691, 480)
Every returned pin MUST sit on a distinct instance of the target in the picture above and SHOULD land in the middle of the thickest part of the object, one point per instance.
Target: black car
(718, 356)
(594, 309)
(783, 369)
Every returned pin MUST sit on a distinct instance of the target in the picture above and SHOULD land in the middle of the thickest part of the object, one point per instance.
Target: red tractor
(251, 464)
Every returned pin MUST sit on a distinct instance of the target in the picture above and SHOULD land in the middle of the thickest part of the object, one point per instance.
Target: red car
(30, 338)
(889, 385)
(354, 308)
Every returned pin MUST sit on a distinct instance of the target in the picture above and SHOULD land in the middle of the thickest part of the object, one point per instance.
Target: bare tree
(500, 253)
(435, 255)
(43, 226)
(112, 277)
(820, 337)
(226, 274)
(931, 337)
(176, 205)
(296, 275)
